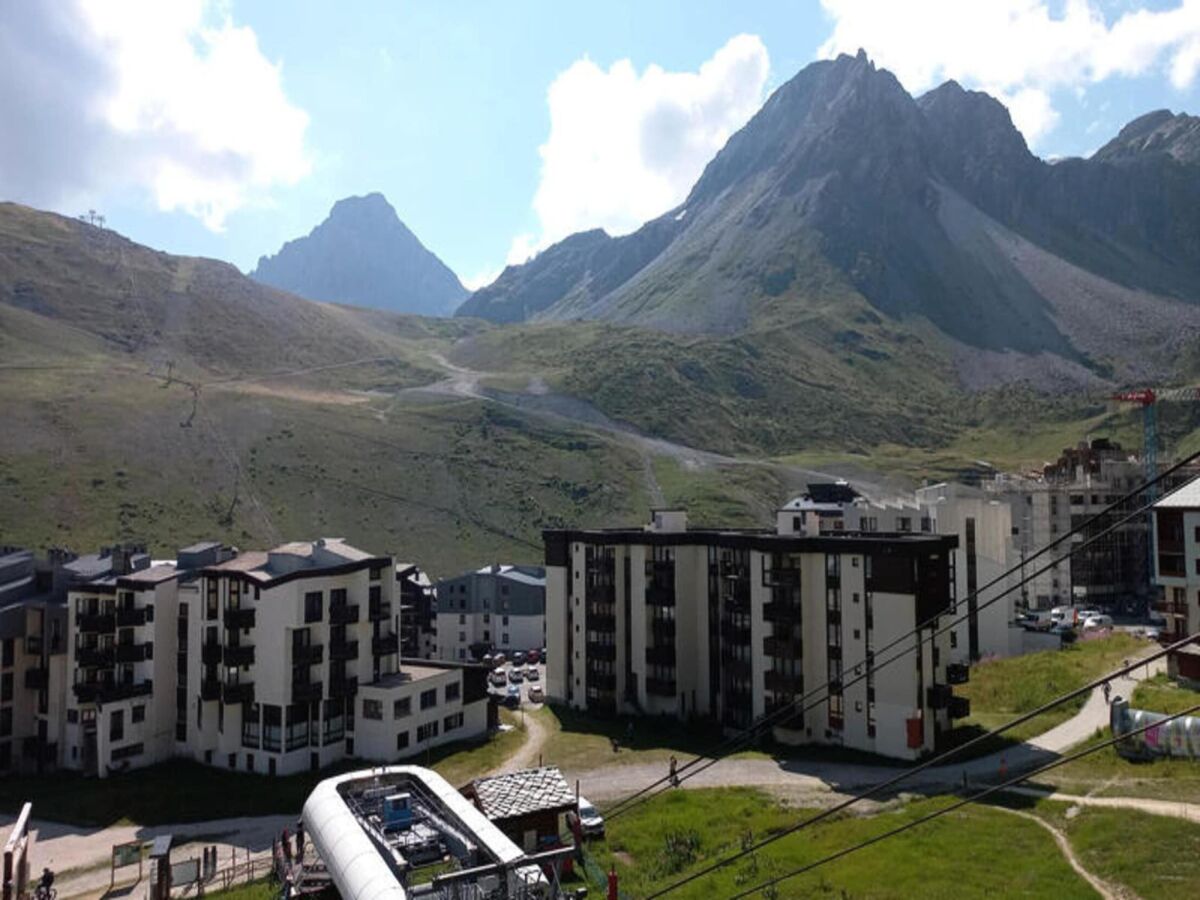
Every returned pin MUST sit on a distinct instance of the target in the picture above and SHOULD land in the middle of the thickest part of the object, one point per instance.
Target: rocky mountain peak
(1157, 134)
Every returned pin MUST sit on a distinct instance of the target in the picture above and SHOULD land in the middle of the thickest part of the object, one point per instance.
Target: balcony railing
(781, 612)
(102, 623)
(35, 748)
(660, 596)
(783, 683)
(385, 644)
(960, 707)
(343, 614)
(343, 650)
(958, 673)
(660, 656)
(735, 634)
(660, 687)
(306, 692)
(210, 654)
(938, 696)
(308, 655)
(601, 622)
(110, 692)
(37, 679)
(781, 577)
(782, 647)
(602, 681)
(130, 653)
(663, 631)
(377, 612)
(343, 687)
(606, 652)
(239, 692)
(735, 665)
(131, 618)
(241, 655)
(210, 689)
(239, 618)
(95, 657)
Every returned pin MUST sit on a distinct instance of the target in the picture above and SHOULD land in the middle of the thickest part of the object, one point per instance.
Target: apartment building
(1177, 573)
(984, 553)
(495, 608)
(260, 661)
(729, 625)
(418, 613)
(1112, 572)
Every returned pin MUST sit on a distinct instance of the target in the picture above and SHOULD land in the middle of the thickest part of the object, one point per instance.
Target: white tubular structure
(363, 867)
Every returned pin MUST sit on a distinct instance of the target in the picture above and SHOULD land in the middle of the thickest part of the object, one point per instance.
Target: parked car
(590, 821)
(499, 659)
(532, 673)
(512, 696)
(1085, 614)
(542, 656)
(1097, 622)
(1151, 633)
(499, 677)
(518, 658)
(536, 694)
(488, 660)
(1064, 631)
(515, 676)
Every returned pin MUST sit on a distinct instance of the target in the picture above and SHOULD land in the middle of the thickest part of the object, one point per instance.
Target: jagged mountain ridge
(364, 255)
(931, 208)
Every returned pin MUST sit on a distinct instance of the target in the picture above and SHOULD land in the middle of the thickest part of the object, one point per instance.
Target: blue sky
(281, 109)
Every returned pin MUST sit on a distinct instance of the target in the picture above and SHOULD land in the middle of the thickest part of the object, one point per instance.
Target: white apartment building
(498, 607)
(1177, 573)
(272, 662)
(984, 553)
(731, 625)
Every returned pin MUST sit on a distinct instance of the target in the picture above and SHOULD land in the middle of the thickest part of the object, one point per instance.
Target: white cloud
(626, 146)
(171, 97)
(1018, 50)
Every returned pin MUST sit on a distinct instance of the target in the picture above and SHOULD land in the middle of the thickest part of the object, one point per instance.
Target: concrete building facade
(1177, 573)
(732, 625)
(495, 608)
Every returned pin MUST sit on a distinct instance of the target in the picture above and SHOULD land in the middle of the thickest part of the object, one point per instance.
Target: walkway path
(1174, 809)
(525, 756)
(1101, 887)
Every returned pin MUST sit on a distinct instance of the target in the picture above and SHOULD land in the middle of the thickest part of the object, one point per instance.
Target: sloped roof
(1187, 497)
(520, 793)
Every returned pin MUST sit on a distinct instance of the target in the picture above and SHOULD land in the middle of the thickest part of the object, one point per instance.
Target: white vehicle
(499, 677)
(535, 694)
(590, 820)
(515, 676)
(1096, 622)
(532, 673)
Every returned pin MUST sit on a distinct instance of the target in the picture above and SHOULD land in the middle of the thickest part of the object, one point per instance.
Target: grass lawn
(1001, 689)
(1161, 694)
(184, 791)
(682, 831)
(579, 742)
(260, 889)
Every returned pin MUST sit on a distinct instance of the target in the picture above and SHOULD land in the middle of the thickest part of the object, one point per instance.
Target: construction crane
(1148, 399)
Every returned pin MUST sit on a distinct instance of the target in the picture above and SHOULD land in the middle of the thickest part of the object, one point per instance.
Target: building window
(487, 618)
(6, 687)
(7, 659)
(6, 722)
(427, 731)
(452, 722)
(462, 619)
(375, 572)
(504, 639)
(373, 709)
(505, 622)
(402, 740)
(953, 639)
(453, 692)
(312, 606)
(251, 734)
(429, 698)
(116, 725)
(462, 637)
(402, 708)
(139, 714)
(272, 728)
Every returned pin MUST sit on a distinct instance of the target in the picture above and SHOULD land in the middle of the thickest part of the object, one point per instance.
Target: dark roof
(831, 492)
(521, 793)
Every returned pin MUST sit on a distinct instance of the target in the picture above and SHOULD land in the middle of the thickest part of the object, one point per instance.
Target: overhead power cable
(927, 764)
(959, 804)
(731, 744)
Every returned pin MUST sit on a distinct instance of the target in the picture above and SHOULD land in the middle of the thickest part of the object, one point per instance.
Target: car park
(536, 694)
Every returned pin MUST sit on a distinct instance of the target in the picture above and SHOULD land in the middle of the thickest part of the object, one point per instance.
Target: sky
(224, 128)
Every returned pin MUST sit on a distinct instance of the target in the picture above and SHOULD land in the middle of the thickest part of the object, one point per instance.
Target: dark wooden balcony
(131, 618)
(781, 612)
(660, 687)
(782, 647)
(37, 679)
(239, 618)
(736, 666)
(99, 623)
(211, 654)
(385, 644)
(603, 681)
(343, 650)
(601, 623)
(660, 596)
(735, 634)
(343, 614)
(306, 692)
(662, 655)
(663, 631)
(783, 683)
(938, 696)
(343, 687)
(308, 654)
(377, 612)
(95, 657)
(781, 577)
(131, 653)
(210, 689)
(960, 707)
(238, 692)
(241, 655)
(958, 673)
(110, 691)
(606, 652)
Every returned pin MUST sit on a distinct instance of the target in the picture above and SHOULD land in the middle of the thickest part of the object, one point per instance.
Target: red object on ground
(612, 883)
